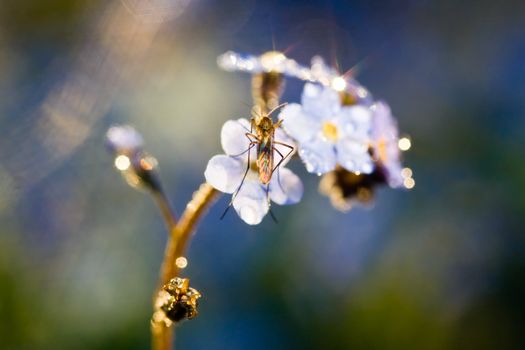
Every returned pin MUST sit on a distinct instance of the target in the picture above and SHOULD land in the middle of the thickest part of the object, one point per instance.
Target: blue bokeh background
(438, 267)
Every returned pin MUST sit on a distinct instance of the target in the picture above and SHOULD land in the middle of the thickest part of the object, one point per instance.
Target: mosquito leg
(249, 135)
(277, 168)
(242, 182)
(250, 146)
(245, 128)
(269, 206)
(282, 160)
(268, 194)
(279, 180)
(282, 157)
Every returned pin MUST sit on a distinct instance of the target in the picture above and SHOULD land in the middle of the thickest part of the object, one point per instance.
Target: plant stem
(180, 234)
(267, 89)
(165, 208)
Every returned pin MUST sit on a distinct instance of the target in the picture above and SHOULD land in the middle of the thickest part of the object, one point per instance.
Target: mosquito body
(262, 135)
(264, 138)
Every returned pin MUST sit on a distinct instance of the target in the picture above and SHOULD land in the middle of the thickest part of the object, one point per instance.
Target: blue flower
(329, 133)
(225, 172)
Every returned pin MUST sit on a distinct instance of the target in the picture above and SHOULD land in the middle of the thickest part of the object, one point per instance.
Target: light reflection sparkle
(122, 162)
(404, 144)
(181, 262)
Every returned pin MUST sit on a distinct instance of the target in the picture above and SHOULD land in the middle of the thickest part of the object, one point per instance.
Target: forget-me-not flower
(225, 172)
(329, 133)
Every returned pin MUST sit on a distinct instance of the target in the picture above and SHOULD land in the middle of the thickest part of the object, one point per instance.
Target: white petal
(384, 125)
(352, 120)
(298, 124)
(251, 203)
(286, 187)
(318, 156)
(353, 155)
(319, 101)
(233, 136)
(359, 114)
(224, 173)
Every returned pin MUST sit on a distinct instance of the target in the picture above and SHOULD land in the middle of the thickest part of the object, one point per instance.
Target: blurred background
(438, 267)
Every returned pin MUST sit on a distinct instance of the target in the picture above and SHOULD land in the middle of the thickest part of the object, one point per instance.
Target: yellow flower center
(330, 131)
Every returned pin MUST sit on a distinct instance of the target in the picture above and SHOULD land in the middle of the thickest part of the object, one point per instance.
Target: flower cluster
(337, 129)
(329, 133)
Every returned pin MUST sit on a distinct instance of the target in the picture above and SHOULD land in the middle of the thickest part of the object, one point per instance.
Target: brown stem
(165, 208)
(267, 89)
(180, 234)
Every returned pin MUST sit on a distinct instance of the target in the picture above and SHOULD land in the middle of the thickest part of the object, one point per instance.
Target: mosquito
(262, 135)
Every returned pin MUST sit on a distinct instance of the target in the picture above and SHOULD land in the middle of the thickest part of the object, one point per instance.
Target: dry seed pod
(176, 301)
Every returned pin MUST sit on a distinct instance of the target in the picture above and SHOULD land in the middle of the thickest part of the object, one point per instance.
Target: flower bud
(138, 168)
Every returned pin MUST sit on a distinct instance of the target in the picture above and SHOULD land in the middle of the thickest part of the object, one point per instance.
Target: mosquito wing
(265, 159)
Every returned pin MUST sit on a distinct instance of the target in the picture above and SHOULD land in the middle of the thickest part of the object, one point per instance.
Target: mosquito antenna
(277, 107)
(246, 104)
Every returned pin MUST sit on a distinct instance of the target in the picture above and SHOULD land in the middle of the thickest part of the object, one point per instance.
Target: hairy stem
(180, 234)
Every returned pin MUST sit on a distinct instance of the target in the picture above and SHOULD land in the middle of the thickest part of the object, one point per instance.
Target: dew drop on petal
(318, 157)
(251, 203)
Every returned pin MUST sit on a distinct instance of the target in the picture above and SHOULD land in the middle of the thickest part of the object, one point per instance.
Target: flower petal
(298, 124)
(224, 173)
(383, 123)
(352, 154)
(394, 176)
(251, 203)
(319, 101)
(318, 156)
(385, 137)
(352, 120)
(233, 136)
(285, 187)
